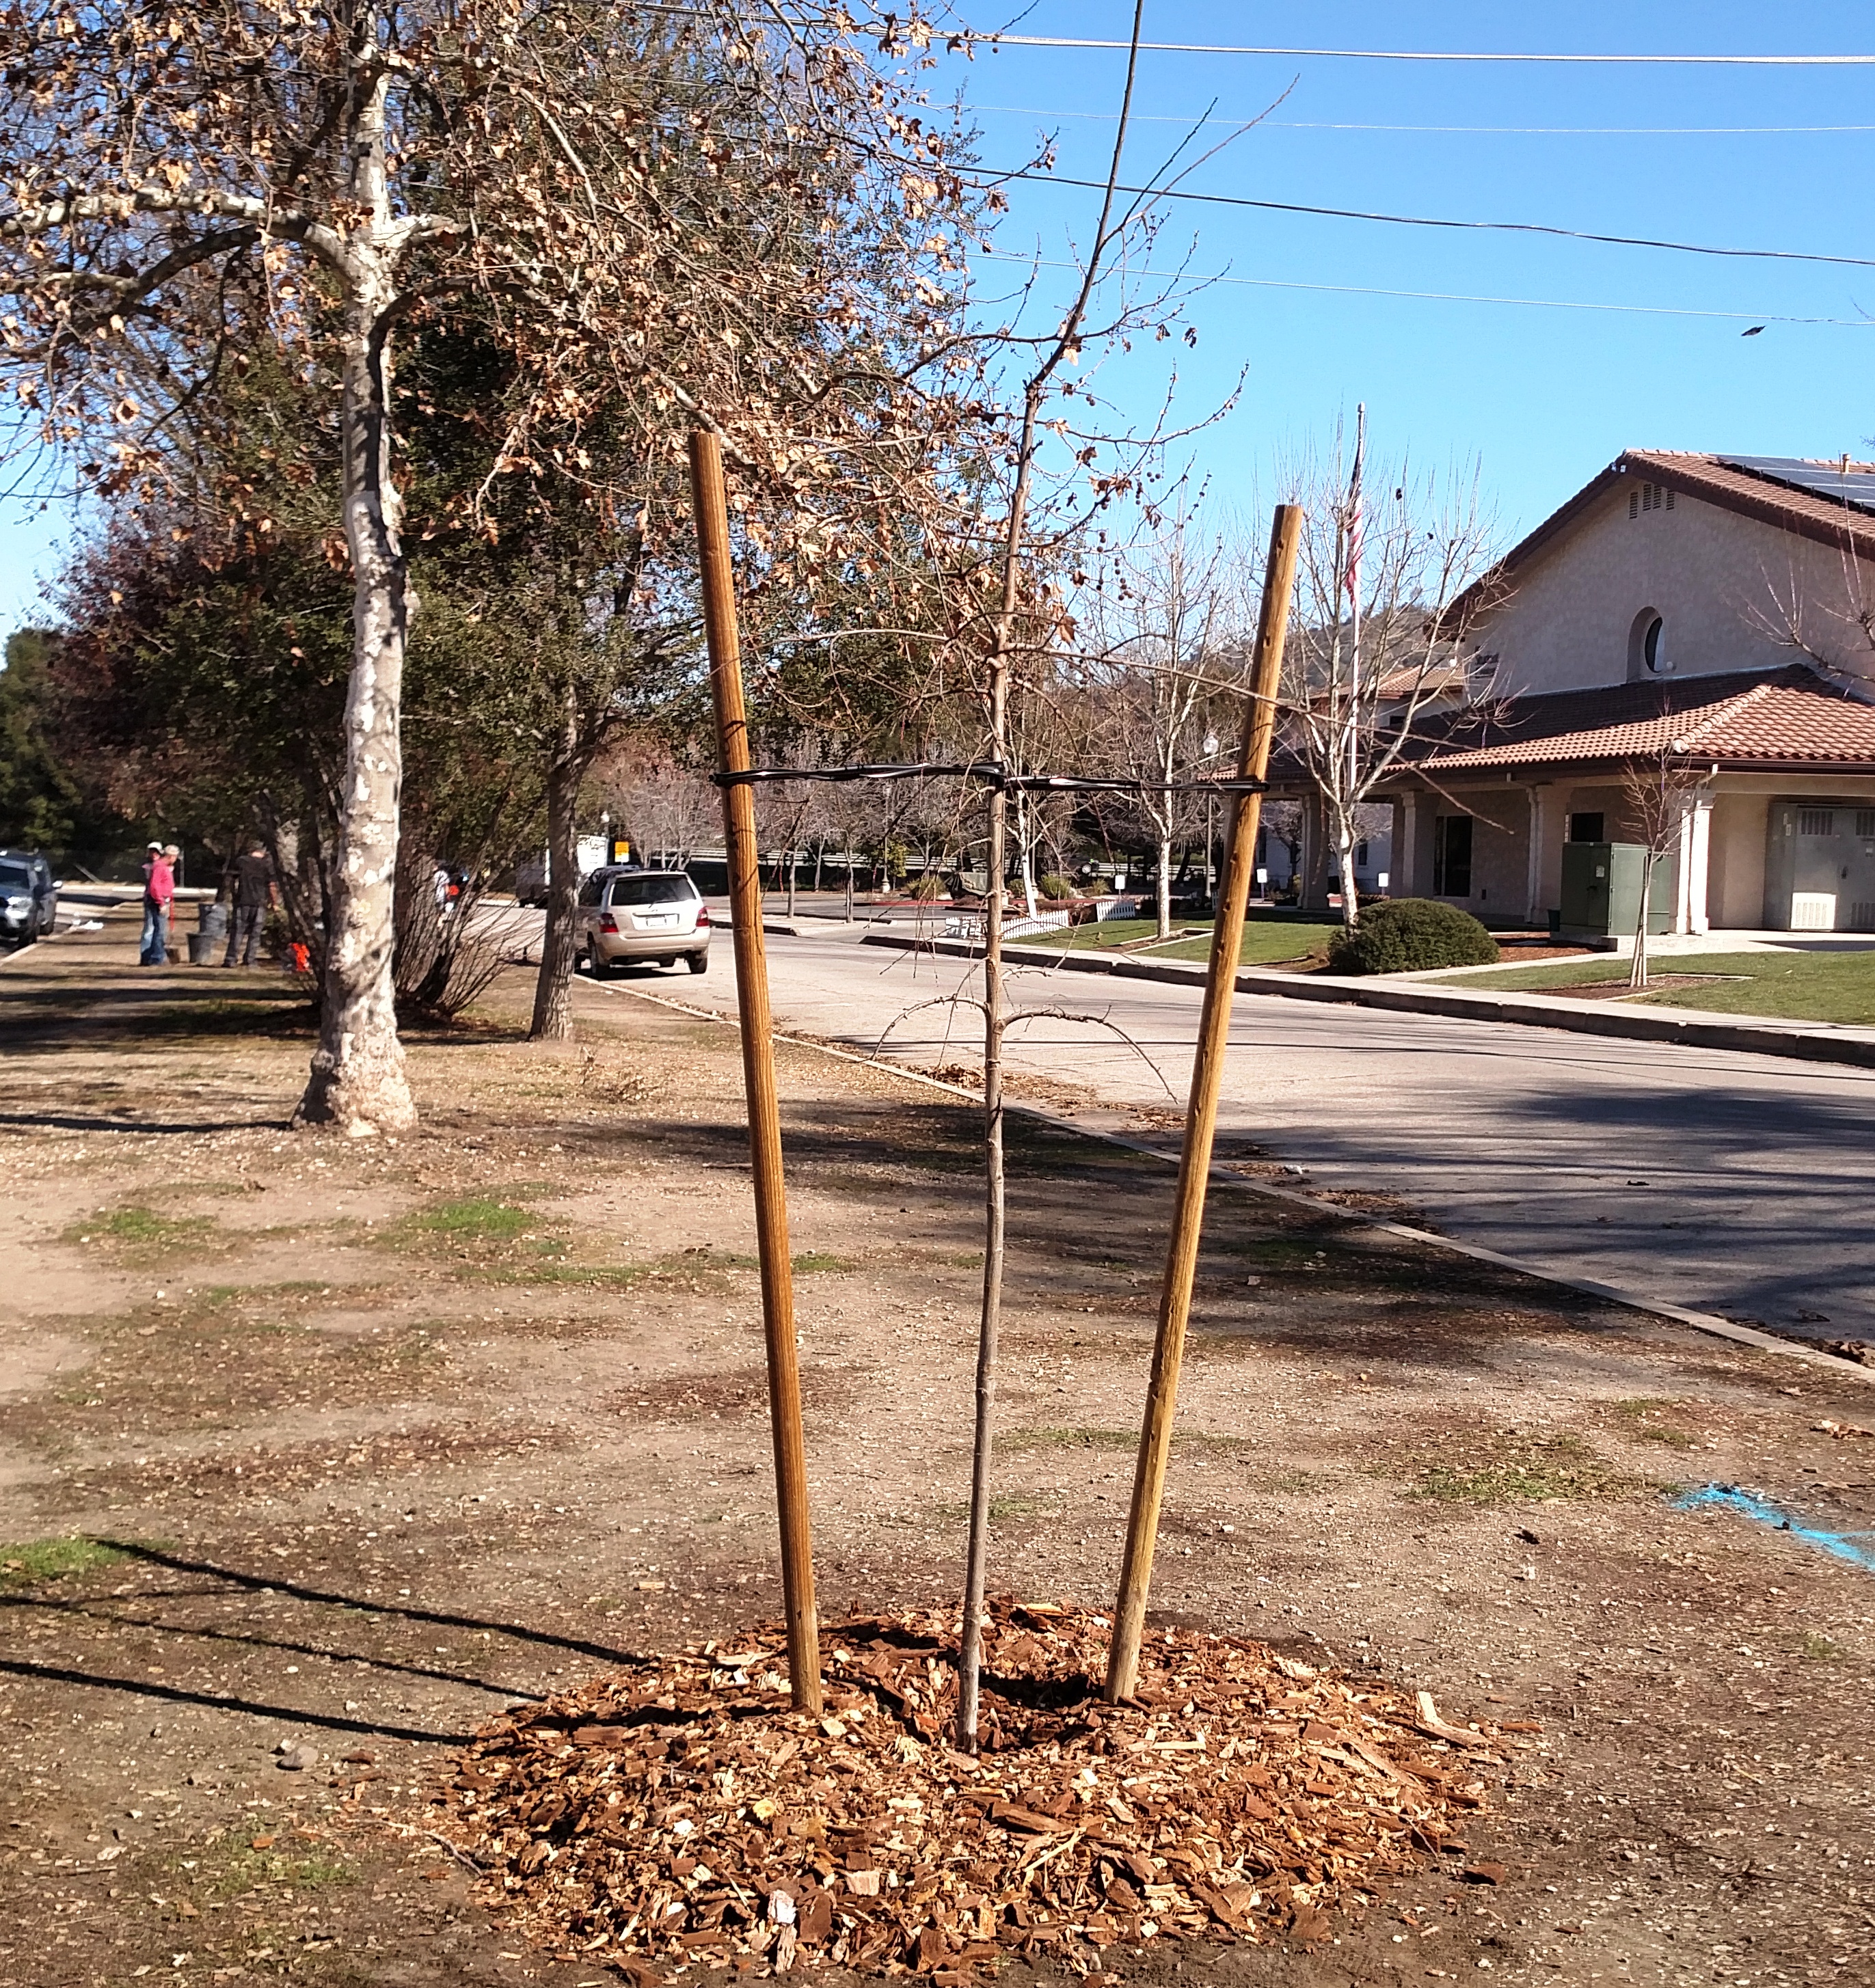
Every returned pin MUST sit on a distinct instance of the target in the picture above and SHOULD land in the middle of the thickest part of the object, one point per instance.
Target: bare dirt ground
(350, 1444)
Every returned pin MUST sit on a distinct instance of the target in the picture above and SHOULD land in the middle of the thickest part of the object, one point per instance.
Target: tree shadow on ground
(271, 1583)
(1087, 1227)
(219, 1581)
(1772, 1184)
(173, 1694)
(66, 1012)
(127, 1122)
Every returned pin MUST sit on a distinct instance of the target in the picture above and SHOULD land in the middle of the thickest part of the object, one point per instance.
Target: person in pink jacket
(159, 890)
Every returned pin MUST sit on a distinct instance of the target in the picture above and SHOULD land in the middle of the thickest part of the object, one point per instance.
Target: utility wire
(1424, 221)
(1449, 296)
(1450, 130)
(1423, 54)
(991, 773)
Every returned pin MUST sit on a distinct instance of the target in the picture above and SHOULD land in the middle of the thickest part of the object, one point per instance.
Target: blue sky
(1540, 398)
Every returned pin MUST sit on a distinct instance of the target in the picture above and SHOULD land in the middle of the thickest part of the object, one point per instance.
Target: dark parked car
(29, 897)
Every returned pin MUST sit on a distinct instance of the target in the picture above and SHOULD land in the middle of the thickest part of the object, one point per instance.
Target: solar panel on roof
(1854, 486)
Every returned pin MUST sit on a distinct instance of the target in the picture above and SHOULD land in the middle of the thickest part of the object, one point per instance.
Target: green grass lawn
(1266, 939)
(1792, 986)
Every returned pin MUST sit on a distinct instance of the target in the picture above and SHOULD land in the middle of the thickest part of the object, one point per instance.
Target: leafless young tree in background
(667, 810)
(1656, 792)
(1160, 643)
(1379, 639)
(1282, 823)
(1832, 627)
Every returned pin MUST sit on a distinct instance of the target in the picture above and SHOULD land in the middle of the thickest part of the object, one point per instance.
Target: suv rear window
(653, 890)
(15, 873)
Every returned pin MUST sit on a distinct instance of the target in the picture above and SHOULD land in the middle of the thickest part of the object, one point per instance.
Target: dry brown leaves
(684, 1811)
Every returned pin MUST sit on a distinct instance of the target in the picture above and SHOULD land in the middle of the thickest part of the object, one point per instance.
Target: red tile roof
(1761, 495)
(1779, 504)
(1787, 718)
(1424, 681)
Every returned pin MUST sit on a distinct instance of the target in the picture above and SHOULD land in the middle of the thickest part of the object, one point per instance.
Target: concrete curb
(1708, 1323)
(1691, 1028)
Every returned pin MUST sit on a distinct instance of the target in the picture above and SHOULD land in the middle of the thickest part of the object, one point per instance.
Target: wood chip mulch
(683, 1812)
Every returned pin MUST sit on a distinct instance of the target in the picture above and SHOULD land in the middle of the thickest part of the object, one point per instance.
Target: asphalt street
(1727, 1182)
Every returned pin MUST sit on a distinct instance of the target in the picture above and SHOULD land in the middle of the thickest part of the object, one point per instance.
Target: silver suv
(644, 917)
(29, 897)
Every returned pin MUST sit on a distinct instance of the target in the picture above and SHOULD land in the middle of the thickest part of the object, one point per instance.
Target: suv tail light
(702, 918)
(609, 924)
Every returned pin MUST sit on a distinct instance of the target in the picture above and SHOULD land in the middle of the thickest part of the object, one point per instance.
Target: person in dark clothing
(253, 898)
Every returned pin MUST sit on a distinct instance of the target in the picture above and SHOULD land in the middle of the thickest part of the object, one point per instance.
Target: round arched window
(1647, 655)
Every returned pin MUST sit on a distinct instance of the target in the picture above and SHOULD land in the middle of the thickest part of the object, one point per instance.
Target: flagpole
(1354, 595)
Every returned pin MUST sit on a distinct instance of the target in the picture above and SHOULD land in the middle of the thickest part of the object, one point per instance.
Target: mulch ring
(684, 1812)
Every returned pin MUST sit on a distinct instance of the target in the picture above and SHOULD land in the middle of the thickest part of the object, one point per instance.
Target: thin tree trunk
(553, 1020)
(794, 866)
(1164, 882)
(849, 883)
(1025, 836)
(819, 850)
(357, 1081)
(1637, 972)
(1350, 891)
(990, 1328)
(970, 1649)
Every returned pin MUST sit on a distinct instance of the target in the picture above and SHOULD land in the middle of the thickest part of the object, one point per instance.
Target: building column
(1691, 911)
(1396, 840)
(1410, 878)
(1312, 885)
(1541, 797)
(1313, 881)
(1549, 827)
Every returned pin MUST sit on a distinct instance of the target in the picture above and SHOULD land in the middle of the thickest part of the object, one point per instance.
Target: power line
(1425, 221)
(1424, 55)
(1455, 130)
(990, 772)
(1456, 296)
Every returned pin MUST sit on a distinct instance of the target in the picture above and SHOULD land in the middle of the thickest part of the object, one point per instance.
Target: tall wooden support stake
(758, 1062)
(1207, 1072)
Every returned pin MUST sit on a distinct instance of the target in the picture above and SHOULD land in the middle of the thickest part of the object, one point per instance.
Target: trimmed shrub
(1056, 887)
(1411, 935)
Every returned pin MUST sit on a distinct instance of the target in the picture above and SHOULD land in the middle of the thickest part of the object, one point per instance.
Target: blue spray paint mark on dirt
(1857, 1548)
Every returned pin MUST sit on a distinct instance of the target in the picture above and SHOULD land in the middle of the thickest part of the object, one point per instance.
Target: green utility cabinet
(1601, 890)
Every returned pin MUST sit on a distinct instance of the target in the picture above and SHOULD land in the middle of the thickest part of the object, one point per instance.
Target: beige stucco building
(1714, 616)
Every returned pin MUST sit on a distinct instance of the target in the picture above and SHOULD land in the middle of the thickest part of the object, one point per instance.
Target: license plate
(648, 925)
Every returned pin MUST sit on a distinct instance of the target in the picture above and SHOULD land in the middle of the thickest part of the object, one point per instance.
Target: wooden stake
(1208, 1074)
(758, 1062)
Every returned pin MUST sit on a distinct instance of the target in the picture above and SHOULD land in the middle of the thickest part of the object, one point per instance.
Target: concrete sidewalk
(1807, 1042)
